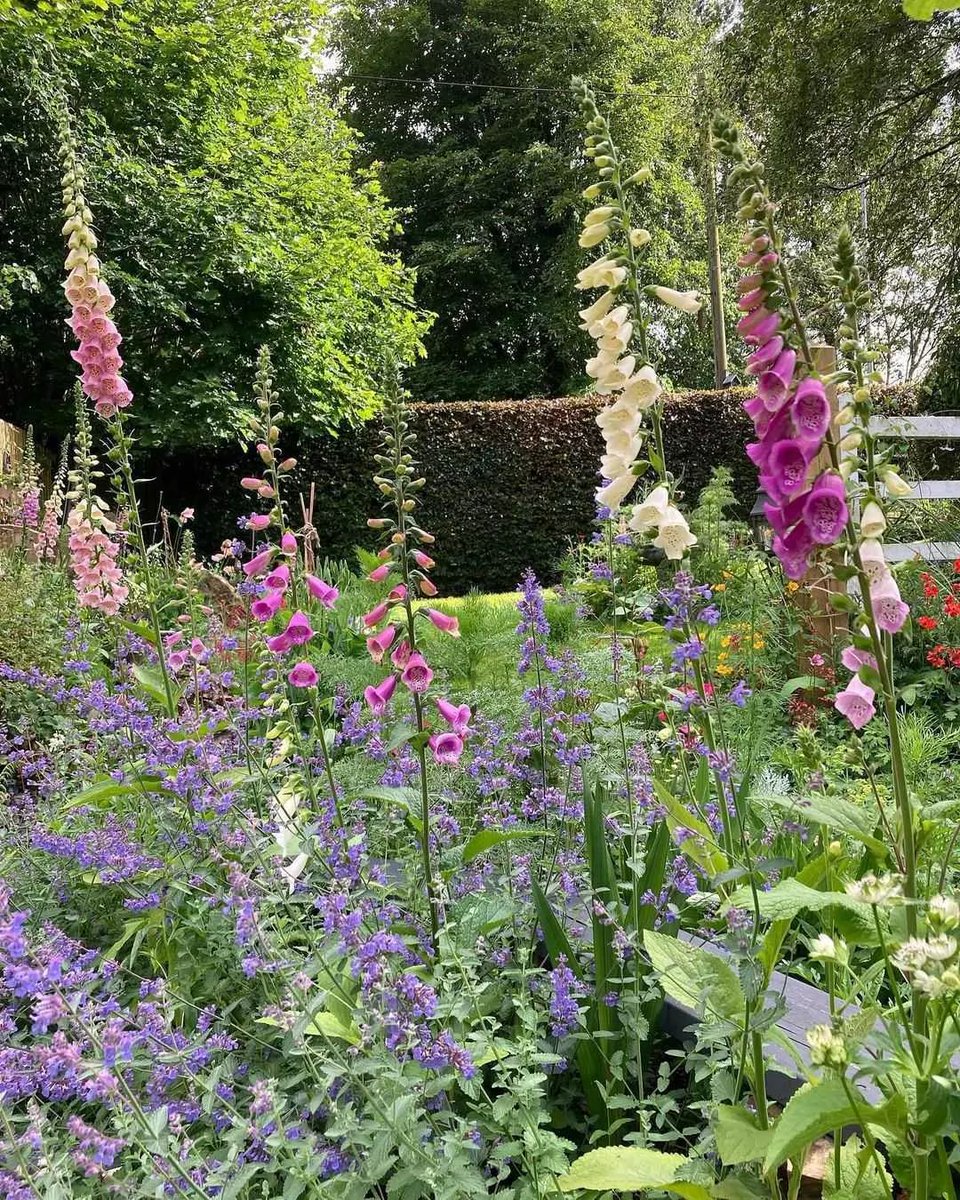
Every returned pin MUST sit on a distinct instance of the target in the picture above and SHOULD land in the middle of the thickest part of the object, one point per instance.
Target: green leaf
(630, 1169)
(703, 850)
(812, 875)
(402, 797)
(108, 789)
(323, 1024)
(486, 839)
(557, 942)
(739, 1187)
(603, 885)
(654, 870)
(836, 813)
(695, 977)
(789, 897)
(798, 682)
(739, 1138)
(859, 1177)
(152, 683)
(816, 1110)
(398, 735)
(924, 10)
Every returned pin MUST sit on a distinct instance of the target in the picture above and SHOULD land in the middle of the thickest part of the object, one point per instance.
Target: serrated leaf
(859, 1177)
(486, 839)
(630, 1169)
(739, 1138)
(814, 1111)
(695, 977)
(836, 813)
(790, 896)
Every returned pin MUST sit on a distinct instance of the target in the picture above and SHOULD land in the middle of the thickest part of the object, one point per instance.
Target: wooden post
(713, 258)
(823, 623)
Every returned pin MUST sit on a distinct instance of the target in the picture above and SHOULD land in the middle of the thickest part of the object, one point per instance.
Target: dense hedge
(510, 483)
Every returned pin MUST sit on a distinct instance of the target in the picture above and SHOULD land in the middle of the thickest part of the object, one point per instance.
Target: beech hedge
(509, 483)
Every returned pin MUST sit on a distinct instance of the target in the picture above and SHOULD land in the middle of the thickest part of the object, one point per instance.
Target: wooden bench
(806, 1006)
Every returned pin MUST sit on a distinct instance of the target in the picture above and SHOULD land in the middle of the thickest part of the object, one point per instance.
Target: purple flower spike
(825, 510)
(773, 386)
(786, 471)
(793, 550)
(758, 325)
(763, 358)
(811, 410)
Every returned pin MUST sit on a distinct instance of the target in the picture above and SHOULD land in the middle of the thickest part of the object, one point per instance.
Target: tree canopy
(466, 104)
(230, 207)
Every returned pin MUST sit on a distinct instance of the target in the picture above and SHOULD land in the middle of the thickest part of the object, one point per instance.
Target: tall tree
(466, 105)
(230, 207)
(855, 109)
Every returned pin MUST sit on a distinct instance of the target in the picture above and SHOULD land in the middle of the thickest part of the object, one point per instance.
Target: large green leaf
(812, 875)
(859, 1177)
(817, 1110)
(739, 1137)
(924, 10)
(837, 814)
(486, 839)
(789, 897)
(152, 683)
(695, 977)
(97, 794)
(630, 1169)
(703, 850)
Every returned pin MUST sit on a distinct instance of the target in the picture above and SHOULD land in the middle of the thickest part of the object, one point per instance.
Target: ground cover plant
(318, 884)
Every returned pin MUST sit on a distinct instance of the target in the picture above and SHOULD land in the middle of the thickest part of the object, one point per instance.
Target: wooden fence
(12, 442)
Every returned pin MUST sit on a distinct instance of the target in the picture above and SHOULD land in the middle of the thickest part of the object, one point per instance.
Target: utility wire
(336, 77)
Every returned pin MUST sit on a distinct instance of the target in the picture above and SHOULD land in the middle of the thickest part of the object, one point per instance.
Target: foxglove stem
(122, 445)
(402, 533)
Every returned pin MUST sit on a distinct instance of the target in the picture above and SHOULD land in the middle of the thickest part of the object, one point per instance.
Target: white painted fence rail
(924, 428)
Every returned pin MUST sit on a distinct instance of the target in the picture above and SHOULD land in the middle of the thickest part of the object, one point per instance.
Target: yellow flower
(719, 587)
(728, 574)
(726, 640)
(724, 669)
(793, 586)
(758, 643)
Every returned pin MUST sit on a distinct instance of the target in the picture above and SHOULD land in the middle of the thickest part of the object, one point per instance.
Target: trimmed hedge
(509, 483)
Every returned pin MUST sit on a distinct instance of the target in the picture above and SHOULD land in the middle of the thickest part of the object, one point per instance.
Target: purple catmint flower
(740, 693)
(564, 992)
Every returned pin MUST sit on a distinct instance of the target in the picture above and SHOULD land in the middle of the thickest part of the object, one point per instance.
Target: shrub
(510, 482)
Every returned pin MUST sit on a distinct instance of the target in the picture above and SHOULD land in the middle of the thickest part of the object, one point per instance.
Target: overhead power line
(492, 87)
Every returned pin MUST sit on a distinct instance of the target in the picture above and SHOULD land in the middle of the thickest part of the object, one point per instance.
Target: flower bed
(307, 891)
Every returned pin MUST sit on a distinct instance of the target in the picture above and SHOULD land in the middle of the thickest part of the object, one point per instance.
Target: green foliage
(629, 1169)
(482, 172)
(856, 113)
(229, 207)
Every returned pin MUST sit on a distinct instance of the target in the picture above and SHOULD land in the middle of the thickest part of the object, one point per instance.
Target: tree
(466, 105)
(855, 109)
(230, 208)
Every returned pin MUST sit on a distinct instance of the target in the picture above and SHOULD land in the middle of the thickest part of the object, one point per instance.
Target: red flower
(937, 657)
(927, 622)
(955, 657)
(930, 589)
(951, 607)
(956, 566)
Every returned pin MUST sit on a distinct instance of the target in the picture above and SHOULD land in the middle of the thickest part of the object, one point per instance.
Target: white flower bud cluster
(827, 1048)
